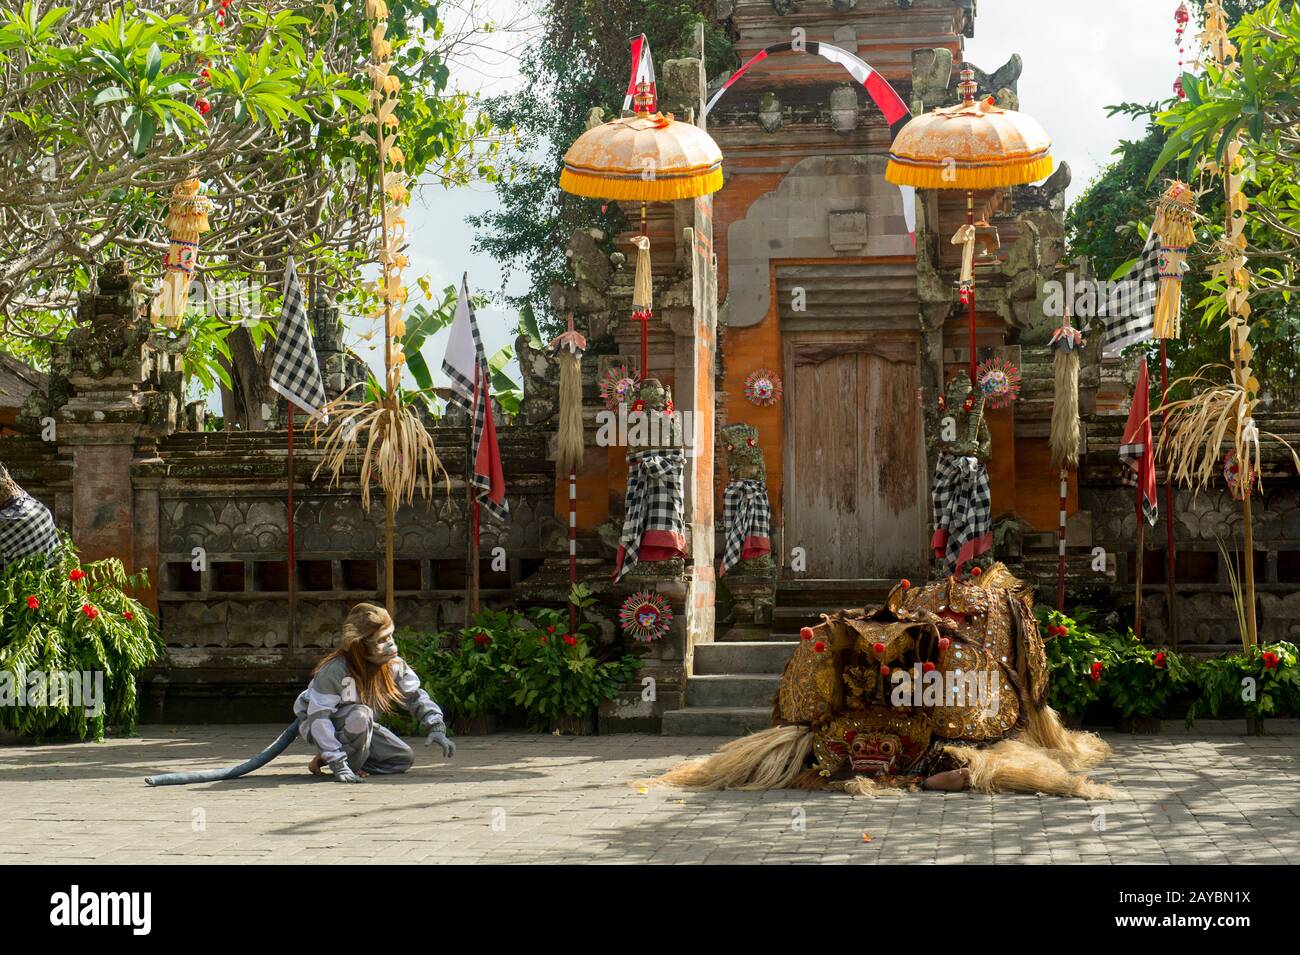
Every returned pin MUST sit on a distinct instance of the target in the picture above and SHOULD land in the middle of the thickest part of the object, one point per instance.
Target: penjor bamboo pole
(390, 396)
(1171, 563)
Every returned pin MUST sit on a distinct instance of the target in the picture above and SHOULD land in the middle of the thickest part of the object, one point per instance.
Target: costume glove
(438, 735)
(343, 772)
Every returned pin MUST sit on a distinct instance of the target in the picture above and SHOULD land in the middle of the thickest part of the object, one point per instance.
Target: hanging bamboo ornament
(187, 219)
(568, 349)
(1067, 344)
(1175, 227)
(641, 286)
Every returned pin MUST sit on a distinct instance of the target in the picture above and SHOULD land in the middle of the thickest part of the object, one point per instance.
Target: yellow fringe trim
(968, 177)
(663, 189)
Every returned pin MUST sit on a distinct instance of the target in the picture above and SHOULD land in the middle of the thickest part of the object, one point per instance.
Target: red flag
(488, 475)
(1137, 450)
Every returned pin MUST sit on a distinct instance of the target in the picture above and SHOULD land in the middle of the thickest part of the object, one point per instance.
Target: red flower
(879, 648)
(1271, 660)
(76, 575)
(550, 629)
(1097, 667)
(805, 633)
(1160, 658)
(638, 405)
(33, 603)
(203, 106)
(90, 612)
(482, 639)
(545, 641)
(928, 667)
(570, 639)
(819, 647)
(127, 615)
(944, 644)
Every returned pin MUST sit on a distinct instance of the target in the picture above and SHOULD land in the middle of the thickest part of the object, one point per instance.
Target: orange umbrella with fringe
(973, 145)
(646, 157)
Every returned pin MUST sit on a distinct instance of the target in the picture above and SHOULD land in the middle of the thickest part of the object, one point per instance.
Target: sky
(1078, 57)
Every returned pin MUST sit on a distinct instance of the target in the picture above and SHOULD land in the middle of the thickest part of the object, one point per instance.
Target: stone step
(744, 690)
(716, 721)
(751, 656)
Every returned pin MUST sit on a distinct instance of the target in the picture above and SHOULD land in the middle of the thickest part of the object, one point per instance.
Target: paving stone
(577, 799)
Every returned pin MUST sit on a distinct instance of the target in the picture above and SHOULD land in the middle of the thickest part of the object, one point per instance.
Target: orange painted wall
(743, 350)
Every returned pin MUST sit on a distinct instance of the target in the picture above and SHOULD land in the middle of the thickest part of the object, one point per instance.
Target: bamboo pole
(1171, 564)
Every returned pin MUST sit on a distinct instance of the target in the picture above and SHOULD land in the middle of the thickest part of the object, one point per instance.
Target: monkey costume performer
(351, 687)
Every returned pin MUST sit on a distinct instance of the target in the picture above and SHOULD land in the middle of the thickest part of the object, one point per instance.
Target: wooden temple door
(854, 469)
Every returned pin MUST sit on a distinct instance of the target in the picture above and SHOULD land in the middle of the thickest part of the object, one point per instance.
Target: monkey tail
(234, 772)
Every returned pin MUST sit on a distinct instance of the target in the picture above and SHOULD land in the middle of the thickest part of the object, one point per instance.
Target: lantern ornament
(187, 219)
(646, 616)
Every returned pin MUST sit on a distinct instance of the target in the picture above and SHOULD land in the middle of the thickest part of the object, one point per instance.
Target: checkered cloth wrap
(1130, 312)
(27, 528)
(963, 515)
(746, 522)
(654, 520)
(464, 362)
(295, 373)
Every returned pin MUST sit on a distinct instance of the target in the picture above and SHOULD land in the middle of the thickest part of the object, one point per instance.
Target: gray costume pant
(367, 744)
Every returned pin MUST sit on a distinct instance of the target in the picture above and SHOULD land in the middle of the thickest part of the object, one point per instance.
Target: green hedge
(511, 661)
(1096, 669)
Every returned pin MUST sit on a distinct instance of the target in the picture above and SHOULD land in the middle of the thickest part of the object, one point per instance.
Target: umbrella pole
(1060, 545)
(1171, 572)
(970, 305)
(293, 558)
(645, 322)
(1142, 527)
(573, 547)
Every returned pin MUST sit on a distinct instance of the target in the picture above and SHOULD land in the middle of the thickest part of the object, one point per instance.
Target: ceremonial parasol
(973, 145)
(646, 157)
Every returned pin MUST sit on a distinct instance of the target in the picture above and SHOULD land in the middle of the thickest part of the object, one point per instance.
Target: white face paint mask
(385, 646)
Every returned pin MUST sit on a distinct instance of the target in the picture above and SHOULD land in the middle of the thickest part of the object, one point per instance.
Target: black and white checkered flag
(1131, 308)
(26, 528)
(295, 373)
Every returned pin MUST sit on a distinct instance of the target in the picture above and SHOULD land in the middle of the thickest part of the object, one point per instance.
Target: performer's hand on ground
(438, 736)
(343, 772)
(314, 767)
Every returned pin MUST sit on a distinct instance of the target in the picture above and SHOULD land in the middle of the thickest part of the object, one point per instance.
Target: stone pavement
(524, 798)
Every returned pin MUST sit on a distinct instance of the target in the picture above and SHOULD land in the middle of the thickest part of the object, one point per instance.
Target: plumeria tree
(103, 108)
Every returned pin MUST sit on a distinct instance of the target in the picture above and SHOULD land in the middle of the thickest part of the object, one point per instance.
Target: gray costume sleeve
(418, 703)
(316, 706)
